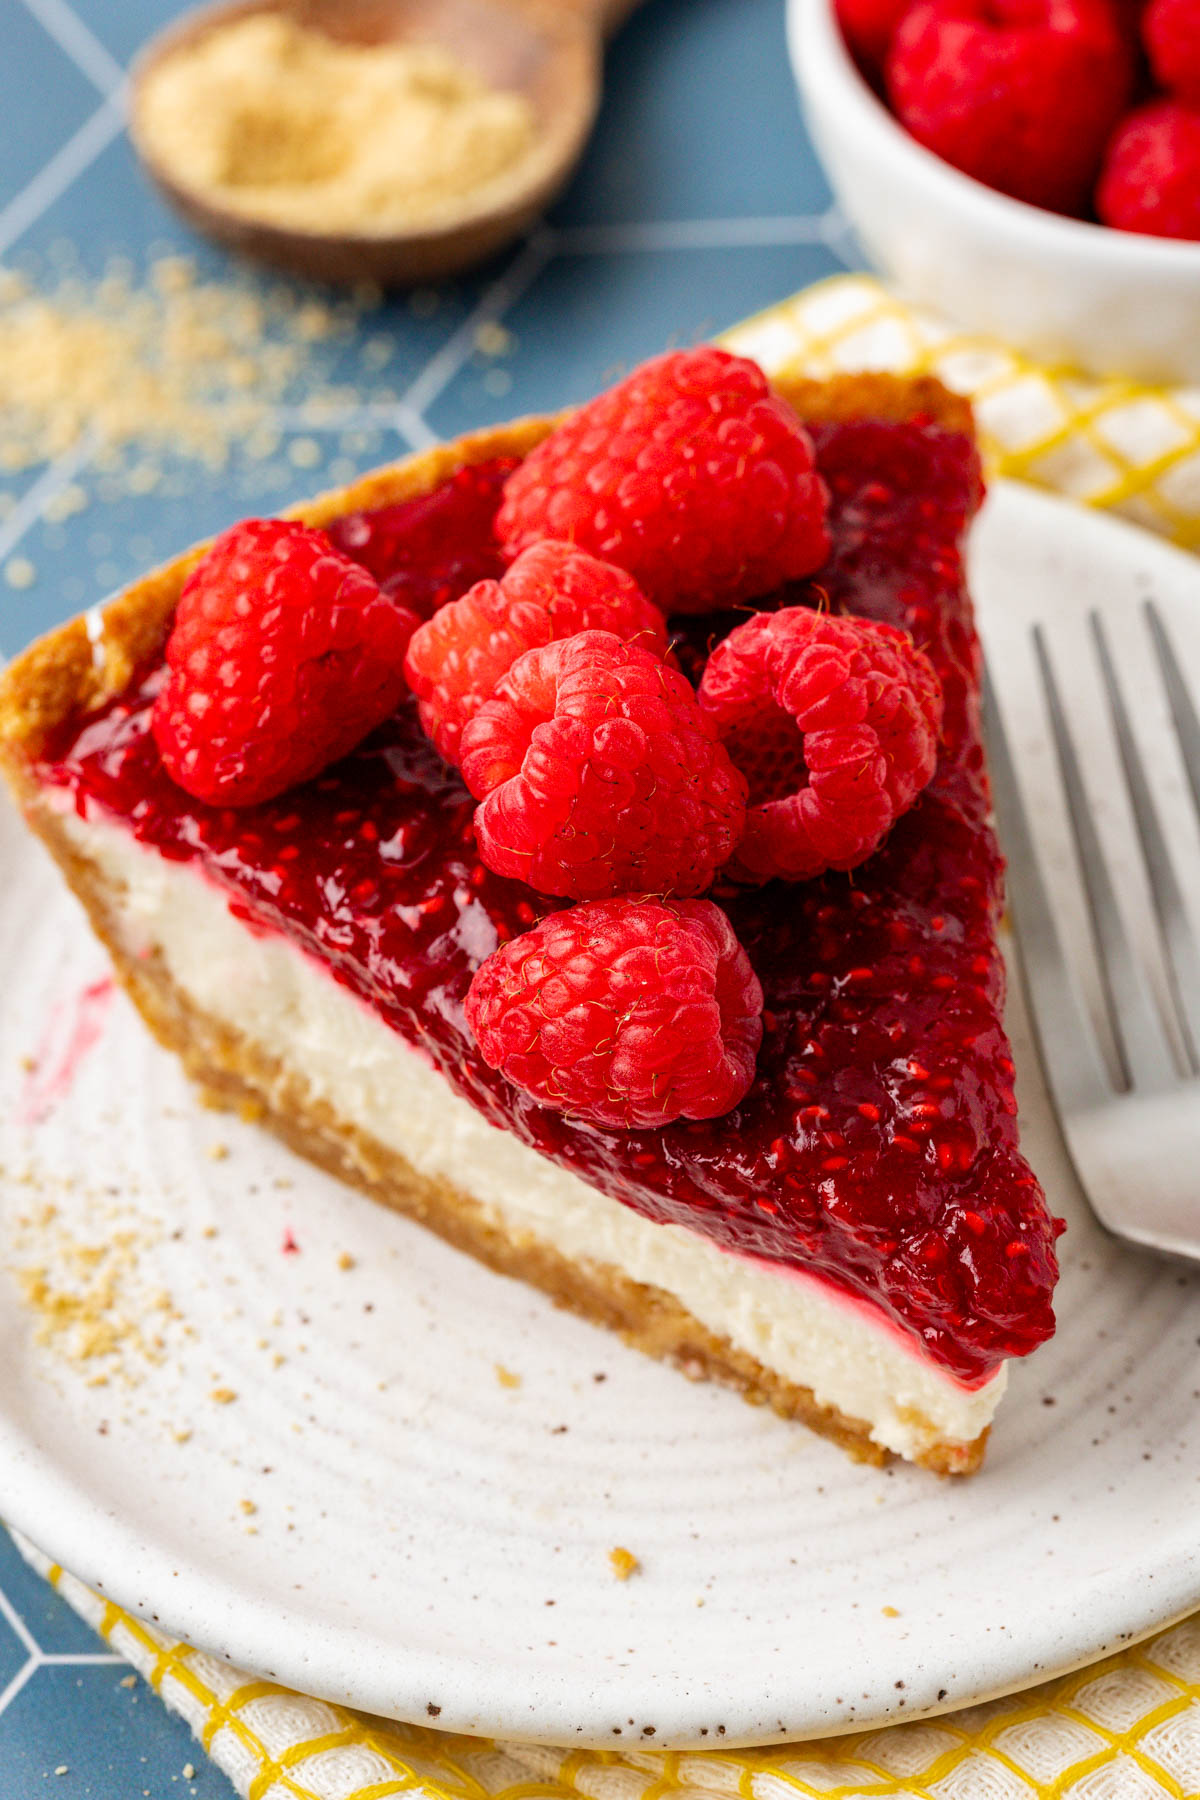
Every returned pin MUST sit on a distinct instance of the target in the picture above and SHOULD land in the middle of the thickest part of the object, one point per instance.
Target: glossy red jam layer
(878, 1145)
(426, 552)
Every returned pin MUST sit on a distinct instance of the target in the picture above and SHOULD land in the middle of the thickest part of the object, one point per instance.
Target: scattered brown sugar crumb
(890, 1612)
(345, 1260)
(89, 1295)
(223, 1396)
(493, 339)
(161, 365)
(19, 572)
(624, 1562)
(247, 1506)
(506, 1378)
(218, 1152)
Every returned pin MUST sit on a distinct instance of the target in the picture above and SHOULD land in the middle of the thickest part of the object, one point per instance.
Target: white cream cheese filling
(283, 999)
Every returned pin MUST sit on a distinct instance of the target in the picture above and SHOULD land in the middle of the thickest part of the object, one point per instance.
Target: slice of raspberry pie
(853, 1237)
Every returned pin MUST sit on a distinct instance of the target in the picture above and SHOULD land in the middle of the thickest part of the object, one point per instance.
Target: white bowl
(1114, 302)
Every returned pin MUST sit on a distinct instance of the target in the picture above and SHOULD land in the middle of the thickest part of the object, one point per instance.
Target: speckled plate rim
(486, 1694)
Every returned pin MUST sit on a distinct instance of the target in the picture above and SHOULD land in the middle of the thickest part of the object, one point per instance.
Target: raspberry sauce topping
(877, 1146)
(426, 552)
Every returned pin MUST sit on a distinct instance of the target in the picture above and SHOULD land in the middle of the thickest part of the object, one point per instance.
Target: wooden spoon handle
(607, 15)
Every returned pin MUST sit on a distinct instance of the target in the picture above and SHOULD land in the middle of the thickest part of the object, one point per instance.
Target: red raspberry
(1151, 176)
(282, 655)
(1021, 94)
(691, 474)
(628, 1013)
(1171, 33)
(600, 775)
(868, 25)
(456, 661)
(834, 723)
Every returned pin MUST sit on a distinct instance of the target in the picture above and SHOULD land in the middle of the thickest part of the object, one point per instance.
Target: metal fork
(1133, 1131)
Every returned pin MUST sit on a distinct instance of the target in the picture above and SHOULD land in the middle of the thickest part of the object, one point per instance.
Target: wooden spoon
(548, 50)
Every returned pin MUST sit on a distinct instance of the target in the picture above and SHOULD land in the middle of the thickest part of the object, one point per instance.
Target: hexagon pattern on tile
(14, 1653)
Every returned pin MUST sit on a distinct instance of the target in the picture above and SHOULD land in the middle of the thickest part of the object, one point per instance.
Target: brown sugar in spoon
(549, 51)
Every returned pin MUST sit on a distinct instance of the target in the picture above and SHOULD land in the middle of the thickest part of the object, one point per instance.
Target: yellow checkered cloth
(1127, 1728)
(1110, 443)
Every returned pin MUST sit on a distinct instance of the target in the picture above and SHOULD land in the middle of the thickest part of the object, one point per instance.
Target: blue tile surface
(63, 1707)
(54, 1627)
(111, 1742)
(609, 311)
(32, 64)
(698, 201)
(14, 1653)
(699, 122)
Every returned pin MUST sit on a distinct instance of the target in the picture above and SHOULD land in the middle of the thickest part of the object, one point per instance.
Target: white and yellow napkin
(1111, 443)
(1128, 1728)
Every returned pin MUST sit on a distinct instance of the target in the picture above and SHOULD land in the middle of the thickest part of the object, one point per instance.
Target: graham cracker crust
(76, 669)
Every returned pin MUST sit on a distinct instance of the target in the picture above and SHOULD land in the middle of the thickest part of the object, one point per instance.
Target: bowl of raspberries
(1028, 168)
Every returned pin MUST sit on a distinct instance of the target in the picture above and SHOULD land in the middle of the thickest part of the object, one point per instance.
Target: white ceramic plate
(428, 1542)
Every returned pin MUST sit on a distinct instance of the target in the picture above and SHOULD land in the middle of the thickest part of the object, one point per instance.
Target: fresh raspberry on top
(628, 1013)
(599, 774)
(1151, 176)
(868, 25)
(691, 474)
(1021, 94)
(1171, 34)
(456, 660)
(282, 656)
(834, 723)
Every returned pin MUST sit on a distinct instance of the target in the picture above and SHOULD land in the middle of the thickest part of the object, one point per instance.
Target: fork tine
(1183, 964)
(1070, 1059)
(1144, 1052)
(1187, 725)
